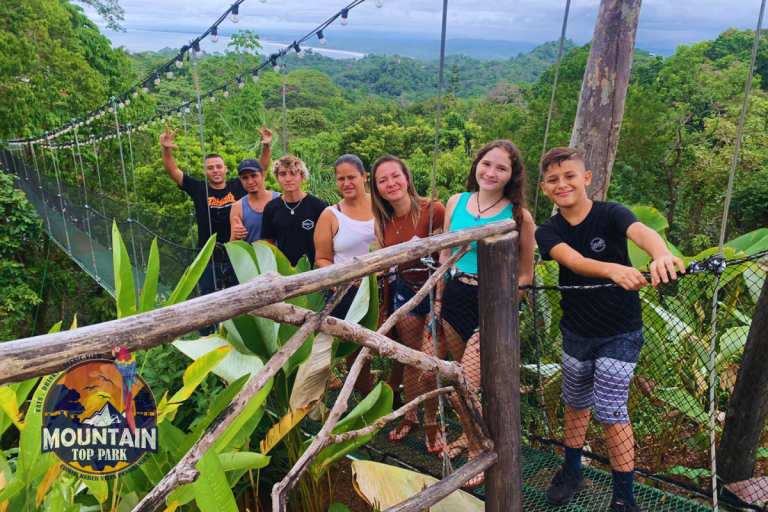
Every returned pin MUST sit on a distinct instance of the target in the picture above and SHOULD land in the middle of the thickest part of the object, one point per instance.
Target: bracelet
(266, 143)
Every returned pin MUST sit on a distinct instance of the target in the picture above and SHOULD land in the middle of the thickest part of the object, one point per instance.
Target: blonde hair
(382, 209)
(290, 163)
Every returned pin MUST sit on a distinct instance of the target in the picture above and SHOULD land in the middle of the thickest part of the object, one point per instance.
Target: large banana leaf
(238, 461)
(212, 490)
(125, 291)
(193, 376)
(312, 376)
(234, 365)
(148, 293)
(751, 243)
(377, 404)
(21, 390)
(654, 220)
(684, 402)
(385, 486)
(281, 428)
(192, 274)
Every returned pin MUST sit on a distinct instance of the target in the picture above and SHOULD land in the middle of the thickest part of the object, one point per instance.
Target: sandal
(403, 430)
(434, 438)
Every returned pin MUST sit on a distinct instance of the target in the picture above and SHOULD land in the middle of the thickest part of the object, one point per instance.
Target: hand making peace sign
(166, 139)
(266, 135)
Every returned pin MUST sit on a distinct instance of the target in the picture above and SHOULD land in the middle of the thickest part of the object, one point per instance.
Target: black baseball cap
(249, 164)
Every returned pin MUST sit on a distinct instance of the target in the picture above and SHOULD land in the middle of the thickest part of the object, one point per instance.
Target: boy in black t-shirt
(289, 220)
(601, 328)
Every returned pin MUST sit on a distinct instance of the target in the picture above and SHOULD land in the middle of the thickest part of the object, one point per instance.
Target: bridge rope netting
(673, 381)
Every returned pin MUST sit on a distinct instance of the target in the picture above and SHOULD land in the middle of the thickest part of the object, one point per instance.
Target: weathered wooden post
(604, 90)
(500, 364)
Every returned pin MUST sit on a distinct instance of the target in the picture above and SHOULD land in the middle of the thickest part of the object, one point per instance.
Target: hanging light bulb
(81, 122)
(212, 97)
(240, 83)
(226, 92)
(255, 75)
(127, 100)
(273, 60)
(88, 121)
(198, 51)
(157, 78)
(102, 113)
(299, 51)
(144, 88)
(168, 72)
(321, 37)
(134, 93)
(186, 108)
(111, 108)
(344, 15)
(153, 121)
(235, 13)
(178, 112)
(214, 34)
(179, 61)
(379, 3)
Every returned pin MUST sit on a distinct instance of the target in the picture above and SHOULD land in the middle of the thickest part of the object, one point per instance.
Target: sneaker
(564, 486)
(620, 506)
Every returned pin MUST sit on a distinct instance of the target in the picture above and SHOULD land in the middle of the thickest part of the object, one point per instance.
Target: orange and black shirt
(218, 203)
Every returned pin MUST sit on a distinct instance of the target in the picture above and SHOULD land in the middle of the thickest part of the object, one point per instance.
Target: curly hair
(291, 163)
(515, 189)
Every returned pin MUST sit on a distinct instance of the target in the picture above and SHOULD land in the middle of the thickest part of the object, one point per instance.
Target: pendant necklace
(397, 230)
(479, 211)
(293, 210)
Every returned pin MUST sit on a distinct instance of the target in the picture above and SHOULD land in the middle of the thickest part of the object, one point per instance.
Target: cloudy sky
(663, 23)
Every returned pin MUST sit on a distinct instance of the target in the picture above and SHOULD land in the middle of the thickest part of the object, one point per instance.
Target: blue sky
(664, 24)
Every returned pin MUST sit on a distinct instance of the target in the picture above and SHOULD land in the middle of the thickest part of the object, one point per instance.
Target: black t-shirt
(219, 202)
(293, 233)
(601, 236)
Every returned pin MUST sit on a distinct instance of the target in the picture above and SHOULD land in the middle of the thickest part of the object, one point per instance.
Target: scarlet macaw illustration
(126, 365)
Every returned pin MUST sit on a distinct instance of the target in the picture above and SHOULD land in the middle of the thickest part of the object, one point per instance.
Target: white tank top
(354, 237)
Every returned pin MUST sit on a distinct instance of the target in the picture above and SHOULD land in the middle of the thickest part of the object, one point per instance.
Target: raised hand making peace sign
(266, 135)
(166, 139)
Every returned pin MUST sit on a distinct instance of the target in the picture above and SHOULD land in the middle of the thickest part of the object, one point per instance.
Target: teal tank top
(461, 218)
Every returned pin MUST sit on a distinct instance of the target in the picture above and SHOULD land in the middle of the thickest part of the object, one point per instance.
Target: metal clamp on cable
(714, 264)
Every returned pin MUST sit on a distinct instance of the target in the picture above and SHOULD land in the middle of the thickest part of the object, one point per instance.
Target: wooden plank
(42, 355)
(497, 259)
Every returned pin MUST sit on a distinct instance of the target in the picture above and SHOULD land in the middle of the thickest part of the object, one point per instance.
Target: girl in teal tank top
(495, 191)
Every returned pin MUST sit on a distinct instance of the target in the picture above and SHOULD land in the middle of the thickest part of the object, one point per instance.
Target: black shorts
(460, 308)
(342, 308)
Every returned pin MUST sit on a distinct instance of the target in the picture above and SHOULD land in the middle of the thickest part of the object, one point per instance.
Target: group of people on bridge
(587, 238)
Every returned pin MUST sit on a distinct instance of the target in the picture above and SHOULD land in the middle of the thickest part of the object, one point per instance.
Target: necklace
(479, 211)
(405, 219)
(293, 210)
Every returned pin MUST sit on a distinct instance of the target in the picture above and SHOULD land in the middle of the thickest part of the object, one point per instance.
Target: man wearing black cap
(246, 214)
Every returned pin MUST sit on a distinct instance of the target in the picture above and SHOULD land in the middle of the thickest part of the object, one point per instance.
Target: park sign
(99, 416)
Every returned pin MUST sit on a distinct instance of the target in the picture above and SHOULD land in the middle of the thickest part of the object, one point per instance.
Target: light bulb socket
(196, 48)
(212, 97)
(299, 51)
(179, 61)
(134, 93)
(235, 10)
(144, 88)
(344, 16)
(127, 100)
(157, 79)
(168, 72)
(240, 83)
(255, 76)
(226, 92)
(214, 34)
(379, 3)
(321, 37)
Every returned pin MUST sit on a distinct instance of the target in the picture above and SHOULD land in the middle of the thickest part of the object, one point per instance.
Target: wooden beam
(604, 90)
(448, 485)
(497, 259)
(42, 355)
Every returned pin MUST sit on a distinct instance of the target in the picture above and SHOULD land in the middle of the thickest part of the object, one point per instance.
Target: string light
(87, 121)
(299, 51)
(240, 83)
(153, 120)
(379, 3)
(273, 60)
(168, 72)
(212, 97)
(134, 93)
(157, 78)
(127, 100)
(235, 13)
(226, 92)
(344, 14)
(321, 38)
(198, 52)
(178, 112)
(111, 107)
(144, 88)
(179, 61)
(186, 108)
(255, 75)
(214, 34)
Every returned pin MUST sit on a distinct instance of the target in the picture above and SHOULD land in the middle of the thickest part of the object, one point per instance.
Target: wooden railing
(263, 296)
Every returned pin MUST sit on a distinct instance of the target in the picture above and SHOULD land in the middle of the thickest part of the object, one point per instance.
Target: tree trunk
(604, 90)
(748, 408)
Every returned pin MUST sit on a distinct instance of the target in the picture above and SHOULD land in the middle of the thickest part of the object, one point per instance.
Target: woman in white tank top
(346, 230)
